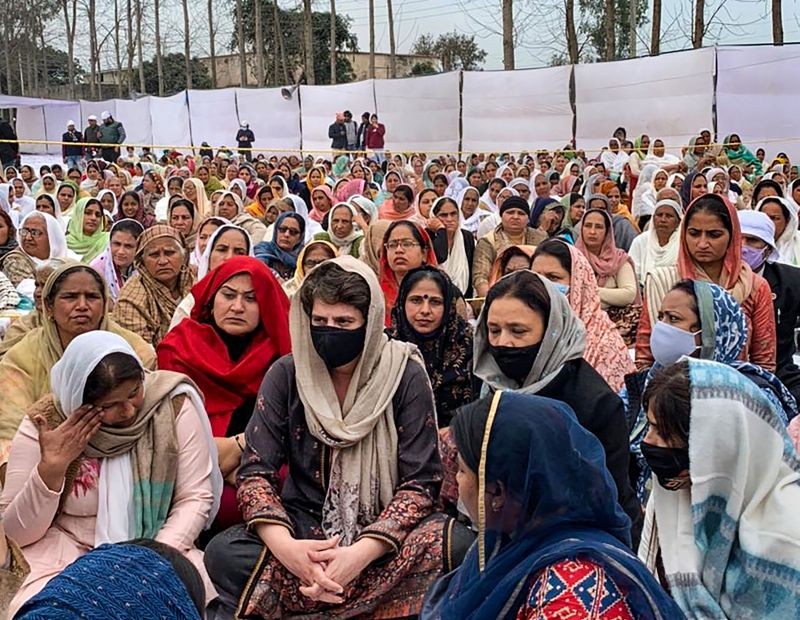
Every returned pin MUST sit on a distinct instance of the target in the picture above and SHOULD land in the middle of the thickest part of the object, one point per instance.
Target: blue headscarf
(538, 208)
(269, 251)
(124, 582)
(555, 474)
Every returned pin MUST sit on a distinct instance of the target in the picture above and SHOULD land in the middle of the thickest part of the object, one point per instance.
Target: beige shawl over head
(361, 432)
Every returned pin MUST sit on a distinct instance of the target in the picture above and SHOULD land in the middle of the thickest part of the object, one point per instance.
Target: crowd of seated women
(500, 387)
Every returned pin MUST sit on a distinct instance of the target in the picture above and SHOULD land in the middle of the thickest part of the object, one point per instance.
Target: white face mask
(669, 343)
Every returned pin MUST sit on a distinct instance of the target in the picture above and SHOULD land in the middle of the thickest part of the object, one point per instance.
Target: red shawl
(389, 284)
(195, 348)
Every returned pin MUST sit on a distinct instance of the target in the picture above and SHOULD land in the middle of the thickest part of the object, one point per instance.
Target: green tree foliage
(592, 27)
(291, 29)
(454, 50)
(175, 74)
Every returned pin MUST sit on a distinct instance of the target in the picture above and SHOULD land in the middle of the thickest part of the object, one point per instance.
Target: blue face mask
(561, 288)
(669, 343)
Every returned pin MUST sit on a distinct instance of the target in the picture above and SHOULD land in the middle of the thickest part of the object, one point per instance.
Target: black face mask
(337, 346)
(670, 465)
(515, 362)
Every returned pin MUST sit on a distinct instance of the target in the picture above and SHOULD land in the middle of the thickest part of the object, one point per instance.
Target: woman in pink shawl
(322, 201)
(351, 188)
(566, 267)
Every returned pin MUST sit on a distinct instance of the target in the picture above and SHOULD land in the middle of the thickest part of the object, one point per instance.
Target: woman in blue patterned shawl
(718, 323)
(722, 517)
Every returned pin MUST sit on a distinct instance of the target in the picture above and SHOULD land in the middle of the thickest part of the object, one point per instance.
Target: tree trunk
(259, 45)
(632, 22)
(392, 57)
(655, 36)
(45, 68)
(608, 27)
(699, 23)
(130, 48)
(240, 38)
(508, 35)
(372, 39)
(22, 90)
(187, 52)
(777, 23)
(70, 30)
(273, 48)
(279, 29)
(117, 50)
(93, 60)
(211, 43)
(142, 86)
(333, 41)
(572, 36)
(159, 63)
(308, 37)
(7, 56)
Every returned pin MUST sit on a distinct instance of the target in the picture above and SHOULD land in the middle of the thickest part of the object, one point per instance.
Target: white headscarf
(202, 264)
(473, 221)
(56, 237)
(115, 486)
(456, 265)
(646, 252)
(344, 243)
(100, 195)
(644, 196)
(487, 199)
(789, 241)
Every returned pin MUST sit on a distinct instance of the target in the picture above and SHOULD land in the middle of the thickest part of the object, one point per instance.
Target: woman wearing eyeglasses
(406, 246)
(40, 238)
(288, 238)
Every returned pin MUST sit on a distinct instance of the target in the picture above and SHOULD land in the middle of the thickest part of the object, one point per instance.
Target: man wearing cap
(112, 133)
(71, 148)
(245, 139)
(512, 230)
(91, 135)
(760, 252)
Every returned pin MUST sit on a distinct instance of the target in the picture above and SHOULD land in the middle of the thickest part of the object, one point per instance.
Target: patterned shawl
(730, 542)
(605, 350)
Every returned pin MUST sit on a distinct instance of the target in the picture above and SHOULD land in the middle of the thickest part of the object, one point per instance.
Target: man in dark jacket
(362, 132)
(112, 133)
(91, 135)
(760, 252)
(9, 151)
(245, 139)
(337, 132)
(72, 154)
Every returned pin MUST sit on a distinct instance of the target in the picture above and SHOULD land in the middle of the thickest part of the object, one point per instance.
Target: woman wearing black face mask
(529, 340)
(353, 530)
(724, 503)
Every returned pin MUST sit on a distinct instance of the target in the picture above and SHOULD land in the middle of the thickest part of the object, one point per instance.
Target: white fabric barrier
(30, 126)
(169, 117)
(212, 114)
(668, 97)
(56, 119)
(420, 114)
(516, 110)
(97, 108)
(135, 118)
(757, 93)
(319, 105)
(274, 120)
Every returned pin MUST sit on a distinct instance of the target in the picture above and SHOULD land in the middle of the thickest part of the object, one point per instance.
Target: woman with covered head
(74, 301)
(787, 237)
(353, 529)
(711, 251)
(148, 300)
(529, 340)
(552, 539)
(738, 154)
(313, 254)
(115, 264)
(39, 238)
(425, 315)
(723, 501)
(454, 246)
(238, 327)
(86, 231)
(230, 207)
(567, 268)
(658, 245)
(343, 232)
(114, 453)
(288, 238)
(132, 207)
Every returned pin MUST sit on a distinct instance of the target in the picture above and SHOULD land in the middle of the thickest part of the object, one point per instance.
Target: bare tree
(655, 35)
(609, 27)
(699, 23)
(392, 57)
(372, 39)
(159, 61)
(94, 61)
(117, 50)
(632, 25)
(70, 18)
(279, 36)
(259, 45)
(142, 87)
(130, 43)
(572, 35)
(508, 35)
(211, 36)
(187, 52)
(240, 35)
(45, 68)
(308, 38)
(333, 42)
(777, 22)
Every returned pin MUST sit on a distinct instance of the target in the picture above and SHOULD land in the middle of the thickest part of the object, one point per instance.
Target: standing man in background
(72, 154)
(361, 139)
(91, 135)
(245, 139)
(112, 133)
(9, 151)
(375, 137)
(352, 131)
(338, 133)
